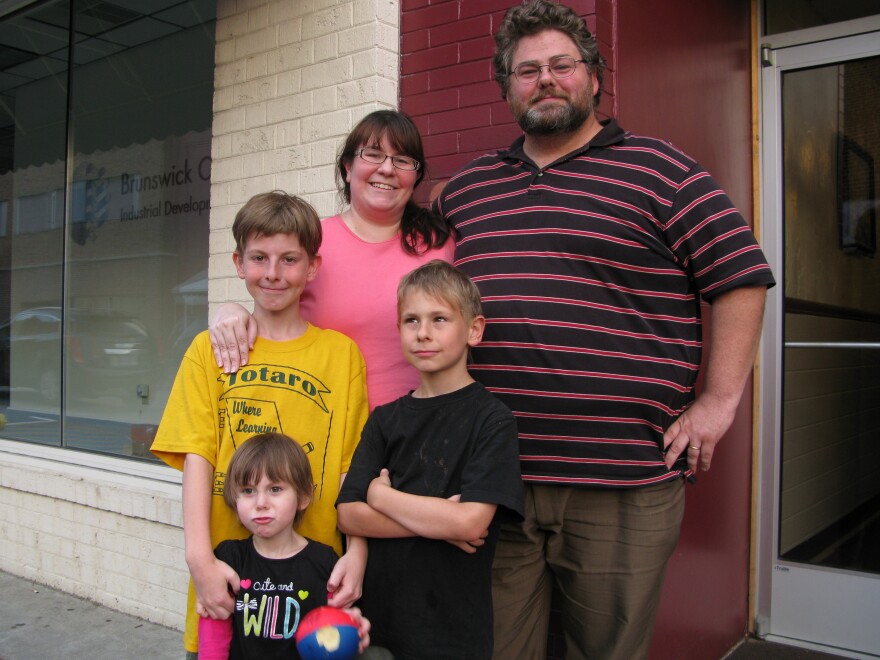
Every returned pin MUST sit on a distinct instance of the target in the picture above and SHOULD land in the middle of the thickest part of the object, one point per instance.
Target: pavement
(39, 623)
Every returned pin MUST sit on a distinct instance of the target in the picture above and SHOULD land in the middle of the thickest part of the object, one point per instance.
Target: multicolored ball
(327, 633)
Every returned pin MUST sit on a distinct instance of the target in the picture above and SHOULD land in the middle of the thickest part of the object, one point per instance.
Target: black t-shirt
(426, 598)
(275, 595)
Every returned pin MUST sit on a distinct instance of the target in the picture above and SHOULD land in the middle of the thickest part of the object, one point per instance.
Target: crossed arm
(391, 513)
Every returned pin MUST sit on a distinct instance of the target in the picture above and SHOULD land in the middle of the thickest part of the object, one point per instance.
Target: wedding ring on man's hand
(693, 447)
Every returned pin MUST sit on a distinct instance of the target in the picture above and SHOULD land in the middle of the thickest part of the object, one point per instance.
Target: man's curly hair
(532, 17)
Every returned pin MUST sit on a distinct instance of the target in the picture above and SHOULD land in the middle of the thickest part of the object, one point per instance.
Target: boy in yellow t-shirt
(303, 381)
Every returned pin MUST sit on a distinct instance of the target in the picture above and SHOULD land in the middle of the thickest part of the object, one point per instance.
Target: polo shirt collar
(611, 133)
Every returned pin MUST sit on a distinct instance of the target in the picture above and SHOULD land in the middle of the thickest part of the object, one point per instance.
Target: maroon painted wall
(689, 82)
(684, 76)
(446, 82)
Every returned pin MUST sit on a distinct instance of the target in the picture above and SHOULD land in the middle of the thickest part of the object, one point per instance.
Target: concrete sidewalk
(45, 624)
(39, 623)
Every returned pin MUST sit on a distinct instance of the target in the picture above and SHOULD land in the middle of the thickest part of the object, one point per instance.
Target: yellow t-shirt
(312, 388)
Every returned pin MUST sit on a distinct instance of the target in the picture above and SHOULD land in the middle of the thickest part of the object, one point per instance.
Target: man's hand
(733, 341)
(697, 431)
(212, 581)
(233, 333)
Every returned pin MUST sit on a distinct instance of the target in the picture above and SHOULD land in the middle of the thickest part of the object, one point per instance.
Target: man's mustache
(548, 95)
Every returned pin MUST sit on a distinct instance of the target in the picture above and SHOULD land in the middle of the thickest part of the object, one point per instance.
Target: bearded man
(592, 249)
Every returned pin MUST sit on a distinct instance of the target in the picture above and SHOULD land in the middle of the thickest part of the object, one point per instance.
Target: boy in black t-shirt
(283, 574)
(430, 473)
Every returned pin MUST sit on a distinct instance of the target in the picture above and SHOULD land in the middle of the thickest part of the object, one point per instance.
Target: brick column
(291, 79)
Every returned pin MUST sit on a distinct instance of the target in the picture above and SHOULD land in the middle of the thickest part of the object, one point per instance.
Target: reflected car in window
(106, 354)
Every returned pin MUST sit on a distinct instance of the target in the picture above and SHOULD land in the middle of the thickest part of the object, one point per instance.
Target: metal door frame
(804, 605)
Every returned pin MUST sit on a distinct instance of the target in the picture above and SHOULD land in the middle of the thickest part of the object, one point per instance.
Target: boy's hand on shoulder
(214, 583)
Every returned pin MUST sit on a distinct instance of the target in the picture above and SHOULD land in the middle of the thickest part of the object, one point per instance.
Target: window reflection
(790, 15)
(33, 90)
(103, 277)
(829, 498)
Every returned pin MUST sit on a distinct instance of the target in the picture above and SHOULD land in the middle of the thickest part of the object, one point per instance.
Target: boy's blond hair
(277, 212)
(275, 456)
(441, 280)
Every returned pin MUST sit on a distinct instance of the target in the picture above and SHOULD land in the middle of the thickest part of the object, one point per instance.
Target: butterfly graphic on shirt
(251, 605)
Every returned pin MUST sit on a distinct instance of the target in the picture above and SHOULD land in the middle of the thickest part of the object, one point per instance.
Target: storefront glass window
(105, 188)
(790, 15)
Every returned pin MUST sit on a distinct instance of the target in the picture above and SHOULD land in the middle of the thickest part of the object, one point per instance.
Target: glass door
(819, 540)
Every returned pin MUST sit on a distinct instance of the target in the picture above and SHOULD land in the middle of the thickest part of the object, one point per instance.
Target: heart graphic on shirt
(245, 584)
(303, 594)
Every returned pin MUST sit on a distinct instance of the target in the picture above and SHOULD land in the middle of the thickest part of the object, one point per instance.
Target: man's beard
(540, 120)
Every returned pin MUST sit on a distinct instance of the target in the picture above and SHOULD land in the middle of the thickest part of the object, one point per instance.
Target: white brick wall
(292, 78)
(101, 534)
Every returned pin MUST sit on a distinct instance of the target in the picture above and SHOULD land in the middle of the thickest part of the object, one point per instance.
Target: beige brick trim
(101, 534)
(291, 80)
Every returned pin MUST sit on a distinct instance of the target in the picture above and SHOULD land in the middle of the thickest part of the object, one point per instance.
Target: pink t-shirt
(355, 293)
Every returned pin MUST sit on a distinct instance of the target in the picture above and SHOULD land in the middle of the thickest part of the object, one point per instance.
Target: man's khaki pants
(607, 552)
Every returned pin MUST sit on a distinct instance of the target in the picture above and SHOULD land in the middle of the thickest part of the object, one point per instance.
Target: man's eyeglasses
(377, 157)
(560, 67)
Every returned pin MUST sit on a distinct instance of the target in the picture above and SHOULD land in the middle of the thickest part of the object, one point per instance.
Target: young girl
(283, 575)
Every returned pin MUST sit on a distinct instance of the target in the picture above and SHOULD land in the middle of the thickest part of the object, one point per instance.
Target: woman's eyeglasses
(377, 157)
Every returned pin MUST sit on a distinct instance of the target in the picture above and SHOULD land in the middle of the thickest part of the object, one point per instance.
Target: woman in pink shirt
(381, 236)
